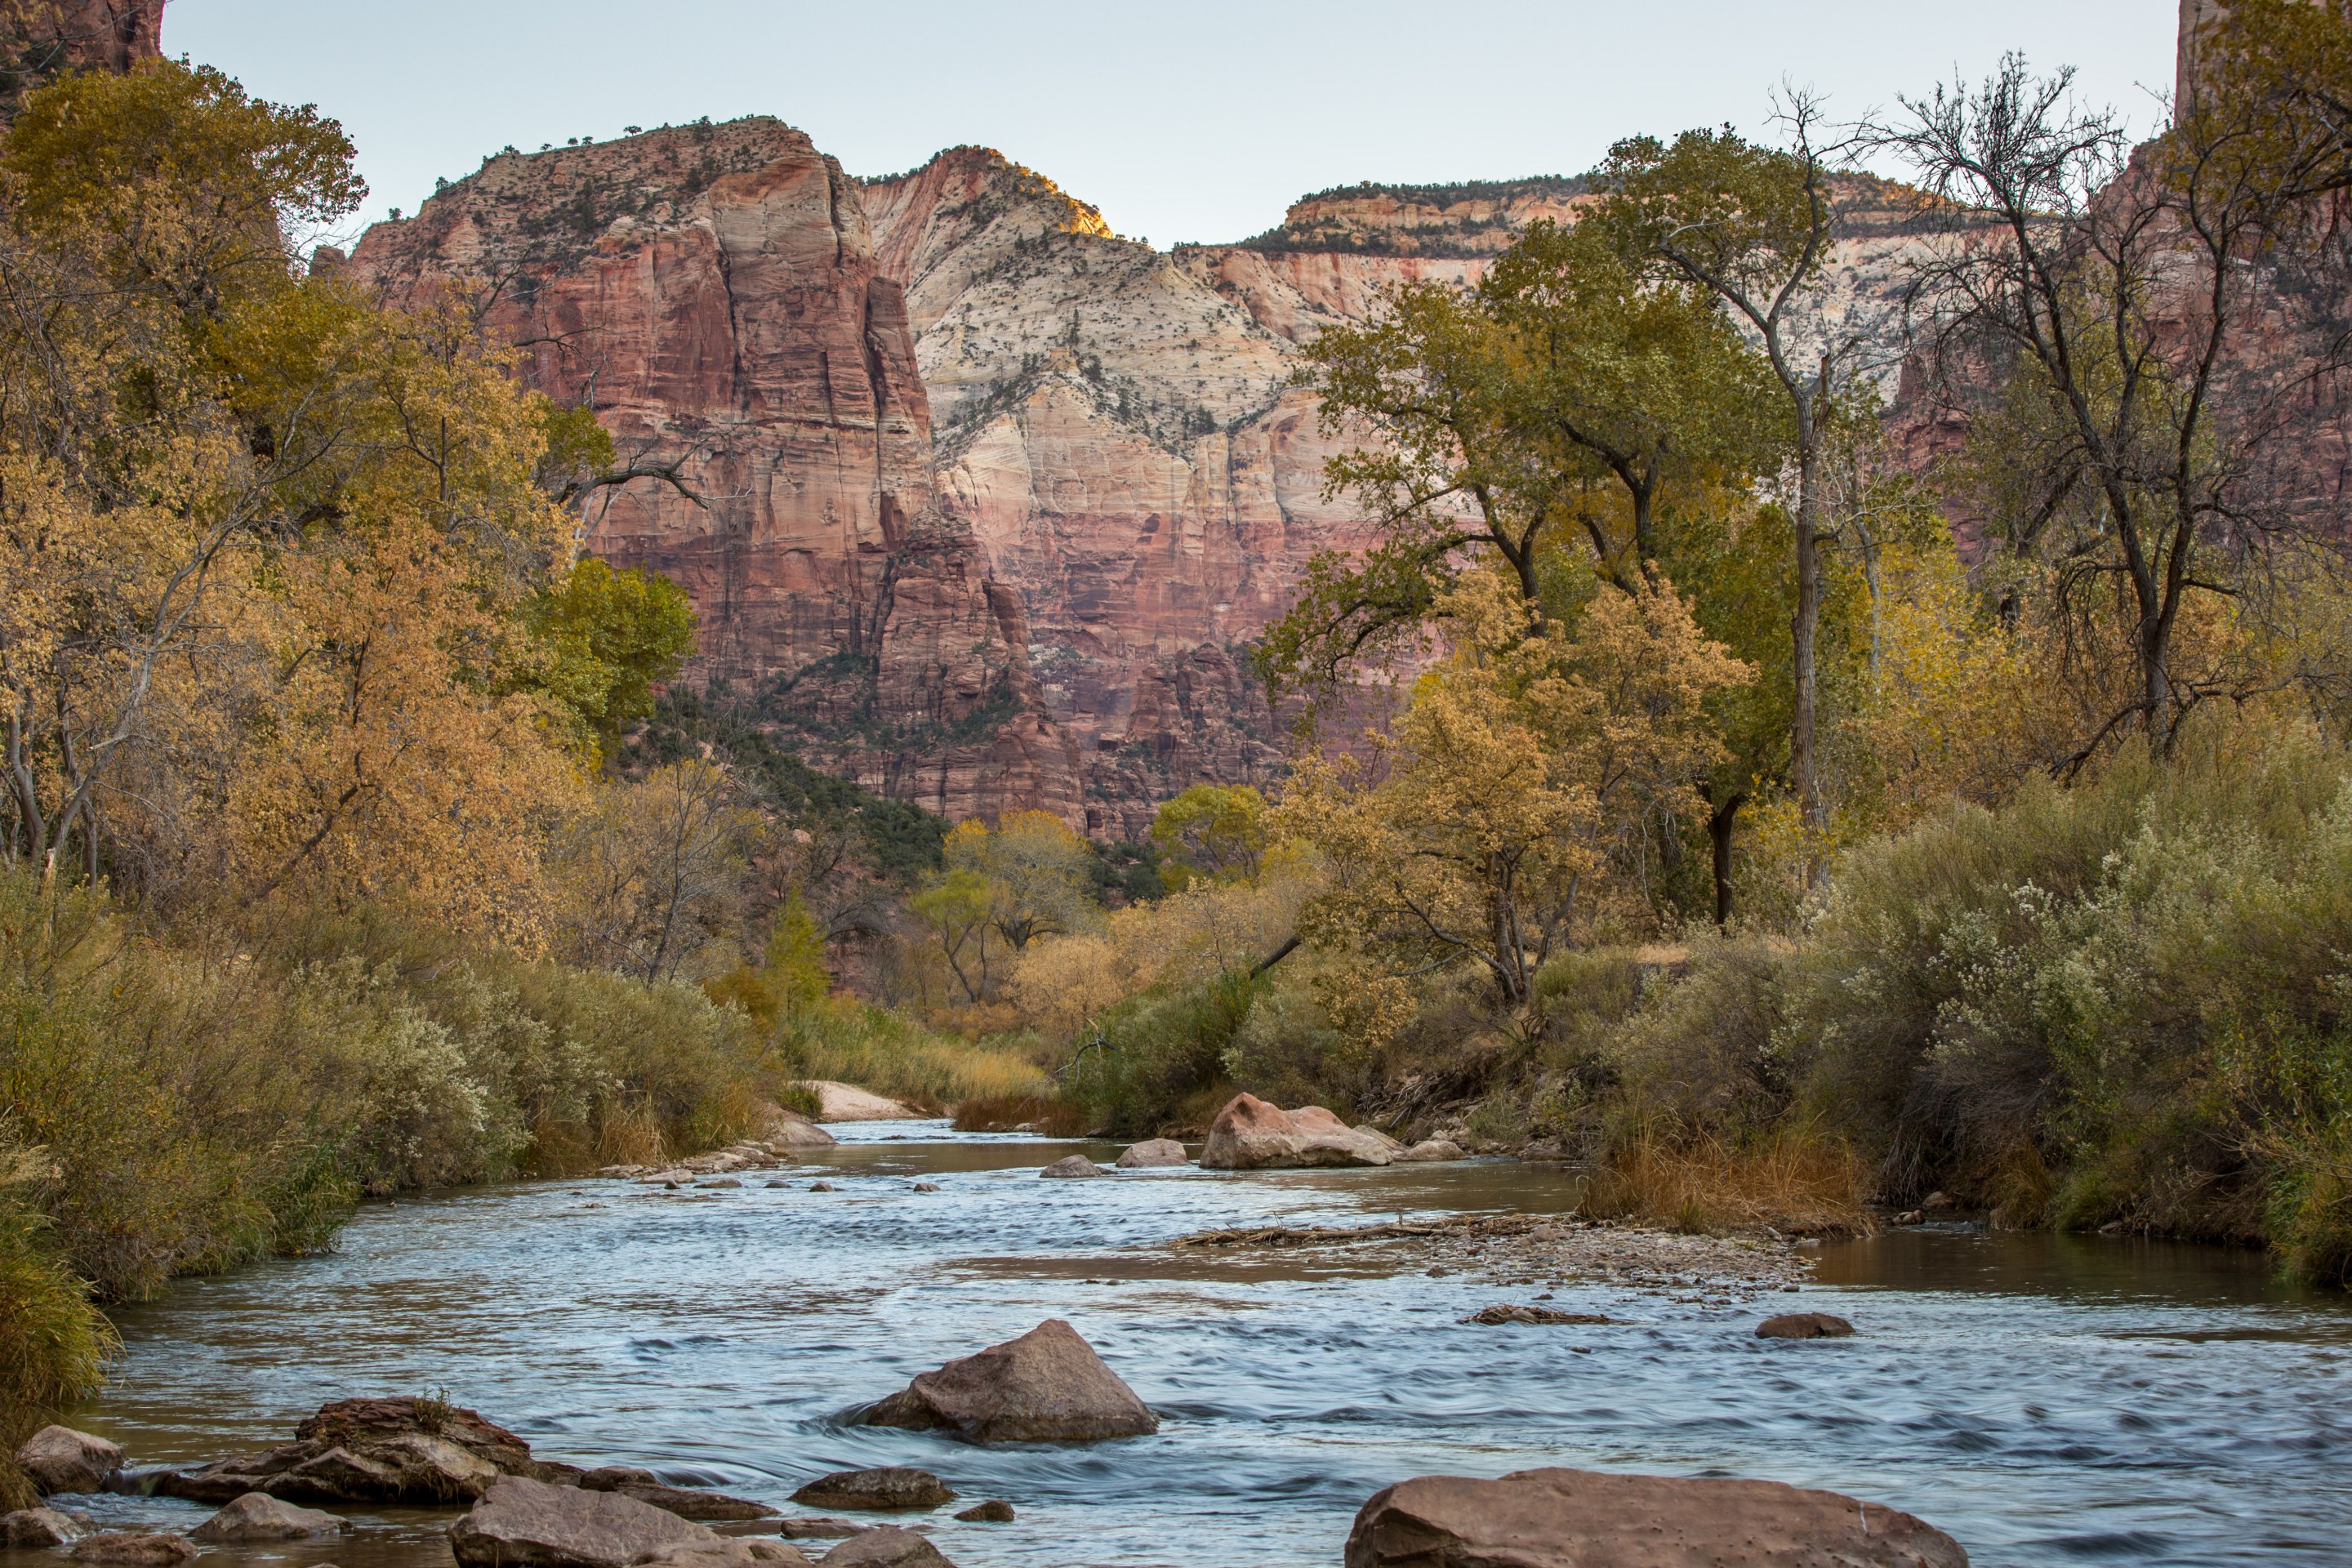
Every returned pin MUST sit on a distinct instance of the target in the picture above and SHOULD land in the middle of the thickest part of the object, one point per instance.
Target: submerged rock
(1507, 1313)
(1153, 1153)
(815, 1526)
(996, 1510)
(641, 1485)
(1574, 1519)
(134, 1548)
(1047, 1387)
(1072, 1166)
(1803, 1326)
(257, 1516)
(523, 1523)
(28, 1529)
(891, 1488)
(886, 1547)
(60, 1460)
(1251, 1135)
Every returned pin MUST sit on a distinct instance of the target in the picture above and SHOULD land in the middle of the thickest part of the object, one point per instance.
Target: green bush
(1162, 1060)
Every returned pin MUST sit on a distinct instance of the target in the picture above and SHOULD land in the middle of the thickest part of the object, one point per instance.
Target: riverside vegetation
(1721, 825)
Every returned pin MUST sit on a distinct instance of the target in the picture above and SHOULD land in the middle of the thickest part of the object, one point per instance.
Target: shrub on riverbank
(202, 1105)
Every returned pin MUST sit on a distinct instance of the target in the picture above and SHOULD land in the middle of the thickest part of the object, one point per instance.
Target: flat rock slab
(1581, 1518)
(1072, 1166)
(257, 1516)
(523, 1523)
(816, 1527)
(847, 1102)
(134, 1548)
(683, 1501)
(1249, 1134)
(726, 1552)
(1803, 1326)
(891, 1488)
(1154, 1152)
(886, 1547)
(60, 1460)
(29, 1528)
(1047, 1387)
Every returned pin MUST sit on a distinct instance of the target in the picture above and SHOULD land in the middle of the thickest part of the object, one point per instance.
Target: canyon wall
(712, 293)
(1117, 428)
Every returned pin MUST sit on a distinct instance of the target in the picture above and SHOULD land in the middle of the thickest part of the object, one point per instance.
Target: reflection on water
(2046, 1399)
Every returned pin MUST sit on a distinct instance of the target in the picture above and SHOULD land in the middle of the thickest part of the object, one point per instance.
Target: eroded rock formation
(711, 293)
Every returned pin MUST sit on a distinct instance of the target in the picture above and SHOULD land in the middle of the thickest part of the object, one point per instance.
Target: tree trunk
(1802, 761)
(1718, 831)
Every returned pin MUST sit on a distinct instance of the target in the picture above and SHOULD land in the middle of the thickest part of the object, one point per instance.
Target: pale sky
(1198, 120)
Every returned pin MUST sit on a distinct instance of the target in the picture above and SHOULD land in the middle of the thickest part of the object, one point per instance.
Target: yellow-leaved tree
(1485, 831)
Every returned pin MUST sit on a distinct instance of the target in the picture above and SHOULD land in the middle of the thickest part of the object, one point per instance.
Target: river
(2047, 1400)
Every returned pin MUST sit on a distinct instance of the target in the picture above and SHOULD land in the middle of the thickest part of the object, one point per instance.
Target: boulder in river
(815, 1526)
(785, 1131)
(891, 1488)
(523, 1523)
(134, 1548)
(641, 1485)
(1153, 1153)
(401, 1451)
(847, 1102)
(1429, 1151)
(1072, 1166)
(996, 1510)
(1803, 1326)
(257, 1516)
(1570, 1518)
(60, 1460)
(1047, 1387)
(887, 1547)
(29, 1528)
(1251, 1135)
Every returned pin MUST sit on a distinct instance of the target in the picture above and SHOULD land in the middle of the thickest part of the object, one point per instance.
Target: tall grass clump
(857, 1042)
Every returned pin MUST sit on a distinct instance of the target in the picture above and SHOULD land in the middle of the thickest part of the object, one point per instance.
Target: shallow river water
(2046, 1400)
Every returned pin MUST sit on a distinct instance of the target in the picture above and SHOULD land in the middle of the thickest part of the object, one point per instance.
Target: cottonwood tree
(2163, 347)
(1756, 226)
(1511, 785)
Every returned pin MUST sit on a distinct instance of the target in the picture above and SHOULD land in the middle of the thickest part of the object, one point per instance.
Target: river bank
(2046, 1399)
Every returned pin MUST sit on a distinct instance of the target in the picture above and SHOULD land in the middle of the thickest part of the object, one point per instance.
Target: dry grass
(1797, 1179)
(891, 1055)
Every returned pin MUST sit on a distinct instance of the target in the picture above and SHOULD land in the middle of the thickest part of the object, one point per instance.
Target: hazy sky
(1199, 120)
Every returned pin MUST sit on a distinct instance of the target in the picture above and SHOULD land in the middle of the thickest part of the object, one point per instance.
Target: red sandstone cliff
(711, 292)
(1116, 426)
(42, 38)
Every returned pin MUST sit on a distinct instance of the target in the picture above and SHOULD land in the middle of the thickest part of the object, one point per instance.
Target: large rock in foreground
(522, 1523)
(372, 1450)
(1251, 1135)
(60, 1460)
(135, 1549)
(886, 1547)
(1047, 1387)
(1582, 1518)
